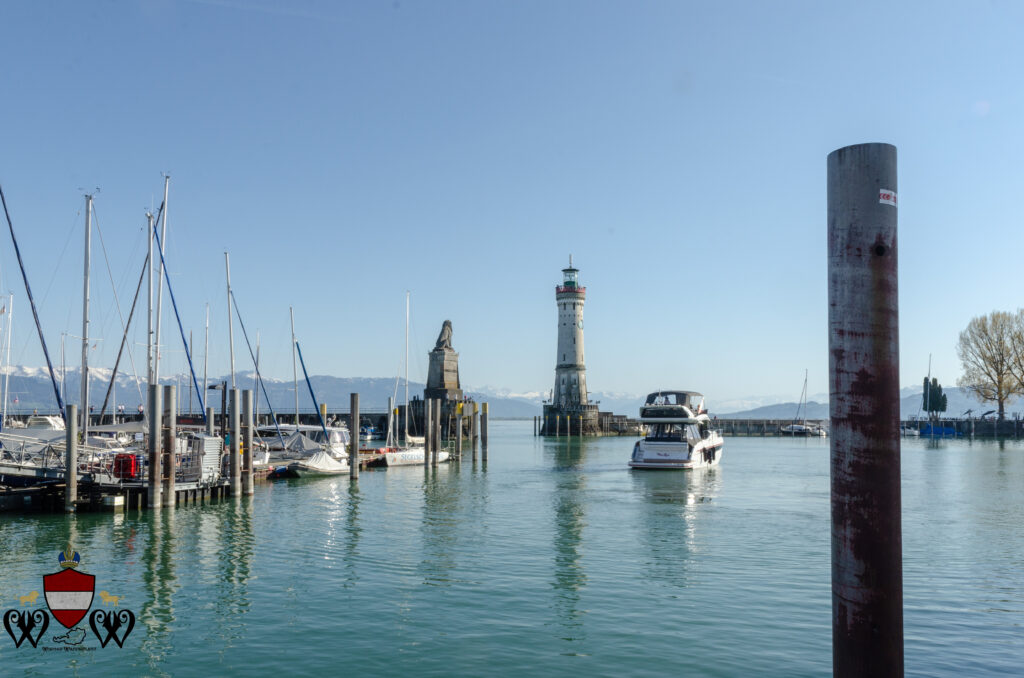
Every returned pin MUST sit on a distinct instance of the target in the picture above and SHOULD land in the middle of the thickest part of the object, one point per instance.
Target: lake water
(552, 560)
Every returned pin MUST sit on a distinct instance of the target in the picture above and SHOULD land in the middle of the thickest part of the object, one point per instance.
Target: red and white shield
(69, 595)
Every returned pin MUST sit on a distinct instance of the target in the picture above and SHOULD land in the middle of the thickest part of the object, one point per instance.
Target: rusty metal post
(170, 436)
(867, 552)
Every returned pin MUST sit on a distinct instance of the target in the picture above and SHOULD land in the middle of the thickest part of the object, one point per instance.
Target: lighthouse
(570, 410)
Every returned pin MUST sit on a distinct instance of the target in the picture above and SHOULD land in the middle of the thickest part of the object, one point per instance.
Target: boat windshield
(665, 432)
(668, 398)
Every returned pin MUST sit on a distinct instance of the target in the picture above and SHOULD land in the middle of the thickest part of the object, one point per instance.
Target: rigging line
(257, 367)
(188, 354)
(120, 315)
(60, 258)
(35, 312)
(312, 395)
(124, 341)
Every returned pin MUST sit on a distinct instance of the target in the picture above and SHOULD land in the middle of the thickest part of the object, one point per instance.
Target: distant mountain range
(958, 401)
(31, 389)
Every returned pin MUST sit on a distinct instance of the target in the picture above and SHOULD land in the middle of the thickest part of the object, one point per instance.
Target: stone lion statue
(444, 340)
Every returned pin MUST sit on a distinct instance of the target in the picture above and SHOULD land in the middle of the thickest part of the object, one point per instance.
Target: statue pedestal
(443, 375)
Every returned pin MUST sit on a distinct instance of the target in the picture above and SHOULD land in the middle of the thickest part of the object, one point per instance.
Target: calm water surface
(554, 559)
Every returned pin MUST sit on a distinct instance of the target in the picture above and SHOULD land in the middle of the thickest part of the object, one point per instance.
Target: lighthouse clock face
(579, 323)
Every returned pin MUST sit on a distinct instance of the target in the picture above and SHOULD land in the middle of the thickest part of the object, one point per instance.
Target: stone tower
(569, 401)
(443, 374)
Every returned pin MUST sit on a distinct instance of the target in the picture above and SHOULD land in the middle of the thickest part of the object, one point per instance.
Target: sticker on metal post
(887, 197)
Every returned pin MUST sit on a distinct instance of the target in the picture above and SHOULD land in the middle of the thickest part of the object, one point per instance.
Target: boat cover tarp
(320, 462)
(297, 442)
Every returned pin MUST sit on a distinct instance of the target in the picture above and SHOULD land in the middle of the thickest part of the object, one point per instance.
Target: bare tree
(986, 351)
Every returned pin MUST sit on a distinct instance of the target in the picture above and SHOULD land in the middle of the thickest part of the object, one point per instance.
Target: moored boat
(679, 433)
(319, 463)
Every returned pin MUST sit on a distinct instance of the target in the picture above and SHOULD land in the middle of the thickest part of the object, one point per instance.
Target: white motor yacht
(679, 433)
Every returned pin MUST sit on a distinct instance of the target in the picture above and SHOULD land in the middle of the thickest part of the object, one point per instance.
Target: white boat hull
(676, 456)
(413, 456)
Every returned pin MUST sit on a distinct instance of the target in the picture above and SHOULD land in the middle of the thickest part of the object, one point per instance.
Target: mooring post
(71, 458)
(234, 445)
(153, 500)
(581, 427)
(474, 430)
(353, 424)
(437, 432)
(170, 431)
(483, 432)
(391, 421)
(863, 319)
(426, 430)
(458, 431)
(209, 421)
(248, 434)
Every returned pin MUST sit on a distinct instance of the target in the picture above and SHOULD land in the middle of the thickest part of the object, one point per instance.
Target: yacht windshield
(665, 432)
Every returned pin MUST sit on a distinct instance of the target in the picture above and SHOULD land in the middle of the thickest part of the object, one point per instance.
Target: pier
(163, 470)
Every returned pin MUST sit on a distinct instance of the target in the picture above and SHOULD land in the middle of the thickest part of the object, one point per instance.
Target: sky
(344, 153)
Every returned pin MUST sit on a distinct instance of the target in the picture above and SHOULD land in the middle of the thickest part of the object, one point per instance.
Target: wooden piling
(169, 430)
(437, 431)
(248, 435)
(153, 498)
(353, 453)
(235, 476)
(427, 429)
(458, 431)
(864, 403)
(474, 429)
(71, 459)
(483, 432)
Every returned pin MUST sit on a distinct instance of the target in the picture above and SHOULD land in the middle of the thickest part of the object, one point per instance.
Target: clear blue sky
(346, 152)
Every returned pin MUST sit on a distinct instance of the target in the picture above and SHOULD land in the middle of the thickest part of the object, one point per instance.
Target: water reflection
(159, 579)
(234, 560)
(353, 531)
(570, 520)
(673, 504)
(442, 501)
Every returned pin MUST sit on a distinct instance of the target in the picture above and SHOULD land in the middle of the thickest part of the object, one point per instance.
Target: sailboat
(414, 451)
(802, 429)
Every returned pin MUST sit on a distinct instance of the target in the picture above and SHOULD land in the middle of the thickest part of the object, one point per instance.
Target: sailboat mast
(928, 386)
(295, 374)
(7, 361)
(63, 368)
(805, 397)
(406, 426)
(149, 306)
(256, 382)
(206, 351)
(85, 320)
(160, 284)
(231, 325)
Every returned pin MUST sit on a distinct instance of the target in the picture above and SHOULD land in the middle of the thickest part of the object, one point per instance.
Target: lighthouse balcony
(570, 289)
